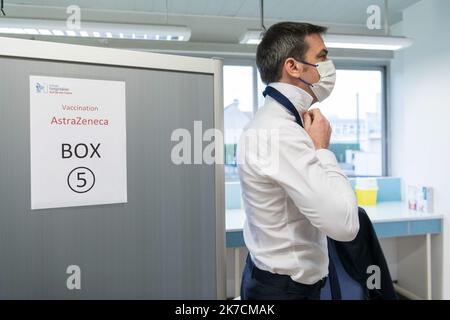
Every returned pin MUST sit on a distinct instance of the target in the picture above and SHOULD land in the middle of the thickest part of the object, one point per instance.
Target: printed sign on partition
(78, 142)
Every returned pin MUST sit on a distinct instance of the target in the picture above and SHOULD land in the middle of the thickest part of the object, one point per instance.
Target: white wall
(420, 117)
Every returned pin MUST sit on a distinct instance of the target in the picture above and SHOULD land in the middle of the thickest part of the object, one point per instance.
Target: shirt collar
(301, 99)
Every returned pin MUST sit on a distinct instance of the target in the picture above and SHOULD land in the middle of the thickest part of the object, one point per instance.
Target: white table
(390, 219)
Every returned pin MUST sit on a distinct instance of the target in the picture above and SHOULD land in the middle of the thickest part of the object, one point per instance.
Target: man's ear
(293, 68)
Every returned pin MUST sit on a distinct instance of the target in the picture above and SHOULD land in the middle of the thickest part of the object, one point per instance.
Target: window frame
(381, 66)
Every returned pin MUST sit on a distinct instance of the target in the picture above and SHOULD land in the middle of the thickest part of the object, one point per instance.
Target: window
(238, 111)
(354, 110)
(355, 113)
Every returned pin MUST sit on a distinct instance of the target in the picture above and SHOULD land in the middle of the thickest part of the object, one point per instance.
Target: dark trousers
(263, 285)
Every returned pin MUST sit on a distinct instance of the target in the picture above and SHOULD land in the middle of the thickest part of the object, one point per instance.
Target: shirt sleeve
(316, 184)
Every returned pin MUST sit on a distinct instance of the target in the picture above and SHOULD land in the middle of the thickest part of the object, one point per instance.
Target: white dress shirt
(292, 200)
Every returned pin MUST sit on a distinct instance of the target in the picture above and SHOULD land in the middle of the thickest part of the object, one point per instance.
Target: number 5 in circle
(81, 179)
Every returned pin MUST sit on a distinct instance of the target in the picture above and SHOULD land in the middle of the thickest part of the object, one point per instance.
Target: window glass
(355, 113)
(238, 103)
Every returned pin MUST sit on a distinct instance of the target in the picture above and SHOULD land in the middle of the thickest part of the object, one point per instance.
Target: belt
(281, 281)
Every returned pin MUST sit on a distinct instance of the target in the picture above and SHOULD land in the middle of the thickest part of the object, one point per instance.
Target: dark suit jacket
(365, 250)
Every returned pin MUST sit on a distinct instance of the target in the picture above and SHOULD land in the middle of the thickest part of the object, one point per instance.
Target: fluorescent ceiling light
(15, 30)
(58, 32)
(253, 41)
(344, 41)
(31, 31)
(45, 32)
(366, 42)
(96, 29)
(251, 37)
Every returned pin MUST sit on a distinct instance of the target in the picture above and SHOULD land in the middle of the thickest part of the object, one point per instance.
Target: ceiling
(213, 22)
(328, 11)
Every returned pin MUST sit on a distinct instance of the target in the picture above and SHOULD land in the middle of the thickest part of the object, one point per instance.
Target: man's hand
(318, 127)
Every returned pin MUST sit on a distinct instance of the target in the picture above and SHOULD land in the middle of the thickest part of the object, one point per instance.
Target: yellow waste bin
(366, 192)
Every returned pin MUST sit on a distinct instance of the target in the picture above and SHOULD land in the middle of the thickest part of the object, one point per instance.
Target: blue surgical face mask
(327, 72)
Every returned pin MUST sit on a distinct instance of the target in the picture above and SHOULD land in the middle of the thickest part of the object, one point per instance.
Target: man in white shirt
(294, 192)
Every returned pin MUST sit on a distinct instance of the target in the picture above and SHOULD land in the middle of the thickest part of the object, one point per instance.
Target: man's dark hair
(281, 41)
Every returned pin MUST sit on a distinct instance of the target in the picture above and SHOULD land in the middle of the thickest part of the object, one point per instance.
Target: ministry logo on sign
(41, 87)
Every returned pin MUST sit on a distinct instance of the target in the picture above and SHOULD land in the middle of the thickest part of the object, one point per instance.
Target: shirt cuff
(326, 157)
